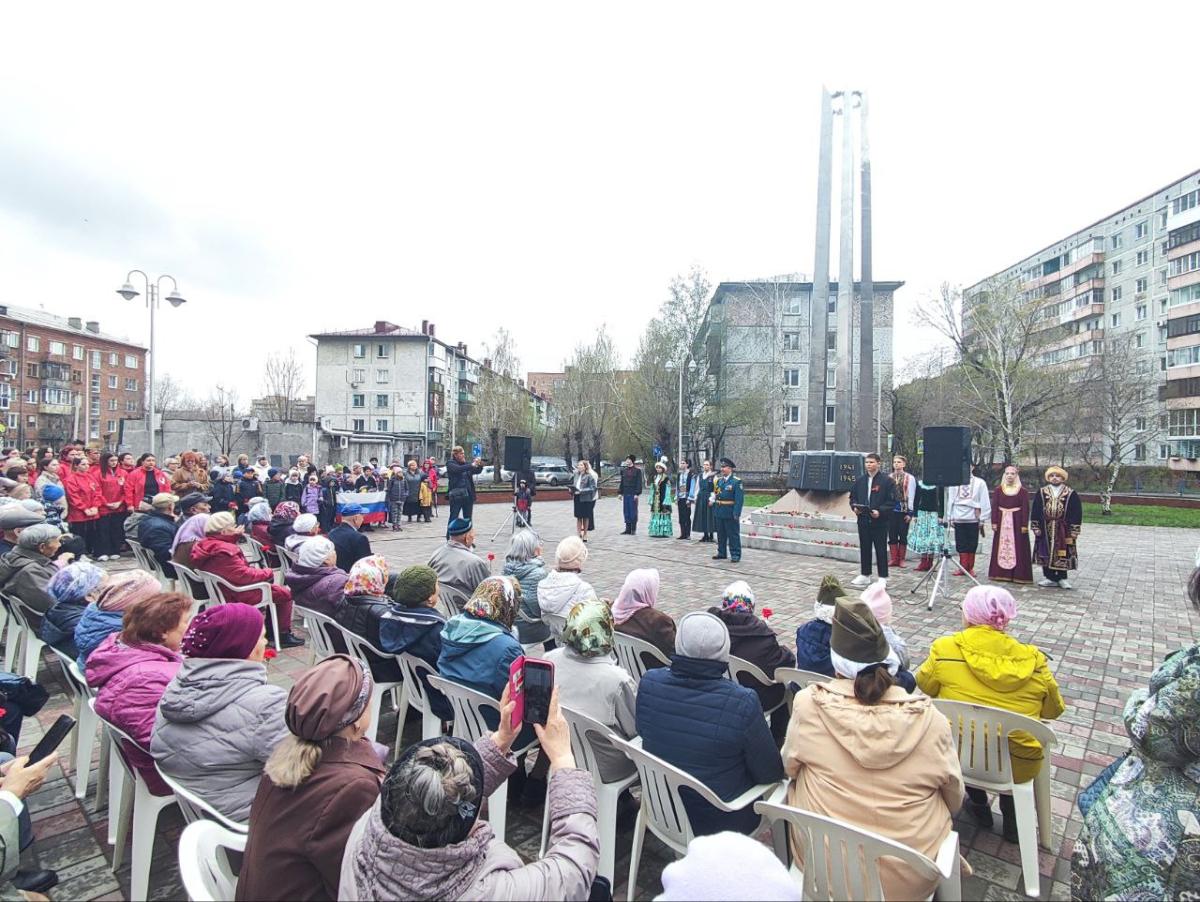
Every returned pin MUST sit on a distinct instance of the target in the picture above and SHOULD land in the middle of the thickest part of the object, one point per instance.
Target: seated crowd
(328, 816)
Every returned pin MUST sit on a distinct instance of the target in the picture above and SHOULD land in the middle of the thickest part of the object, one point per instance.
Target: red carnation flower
(491, 557)
(767, 612)
(269, 654)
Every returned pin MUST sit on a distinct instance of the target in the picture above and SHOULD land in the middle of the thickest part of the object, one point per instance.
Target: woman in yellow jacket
(984, 665)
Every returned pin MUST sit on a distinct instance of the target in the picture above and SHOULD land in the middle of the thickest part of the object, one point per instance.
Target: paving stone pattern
(1127, 613)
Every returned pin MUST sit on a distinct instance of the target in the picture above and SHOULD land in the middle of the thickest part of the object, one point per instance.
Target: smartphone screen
(52, 739)
(538, 685)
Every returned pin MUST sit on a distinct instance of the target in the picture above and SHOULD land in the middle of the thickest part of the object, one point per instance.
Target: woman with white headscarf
(860, 749)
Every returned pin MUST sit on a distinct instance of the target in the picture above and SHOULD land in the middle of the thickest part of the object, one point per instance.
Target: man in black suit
(872, 500)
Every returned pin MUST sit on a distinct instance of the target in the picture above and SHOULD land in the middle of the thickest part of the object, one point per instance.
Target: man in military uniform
(726, 501)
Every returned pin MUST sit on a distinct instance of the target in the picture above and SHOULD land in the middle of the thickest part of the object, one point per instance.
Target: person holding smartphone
(19, 779)
(425, 840)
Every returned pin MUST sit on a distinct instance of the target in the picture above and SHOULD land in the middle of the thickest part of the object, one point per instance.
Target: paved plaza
(1127, 612)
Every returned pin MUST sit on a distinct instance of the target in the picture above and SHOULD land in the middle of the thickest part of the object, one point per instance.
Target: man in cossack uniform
(1056, 520)
(726, 502)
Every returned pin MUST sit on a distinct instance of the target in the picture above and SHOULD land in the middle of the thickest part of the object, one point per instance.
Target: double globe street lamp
(175, 299)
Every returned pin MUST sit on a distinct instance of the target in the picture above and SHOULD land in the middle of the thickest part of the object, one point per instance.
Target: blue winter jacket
(478, 653)
(156, 532)
(418, 632)
(58, 626)
(812, 653)
(93, 628)
(691, 716)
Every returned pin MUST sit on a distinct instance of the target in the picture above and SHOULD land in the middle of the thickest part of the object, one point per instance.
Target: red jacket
(221, 555)
(259, 531)
(135, 486)
(112, 488)
(83, 491)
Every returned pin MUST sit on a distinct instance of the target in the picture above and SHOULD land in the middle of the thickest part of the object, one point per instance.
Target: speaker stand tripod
(514, 521)
(947, 560)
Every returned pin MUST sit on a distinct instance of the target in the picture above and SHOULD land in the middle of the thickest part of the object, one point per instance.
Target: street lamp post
(175, 299)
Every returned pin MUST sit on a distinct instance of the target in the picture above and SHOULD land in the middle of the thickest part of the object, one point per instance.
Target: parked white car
(553, 474)
(488, 474)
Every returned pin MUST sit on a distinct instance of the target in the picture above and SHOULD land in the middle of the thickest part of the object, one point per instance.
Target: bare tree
(222, 418)
(998, 337)
(589, 400)
(501, 405)
(283, 379)
(1115, 407)
(170, 396)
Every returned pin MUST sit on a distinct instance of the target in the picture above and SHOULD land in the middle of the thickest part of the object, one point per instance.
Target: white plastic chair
(756, 677)
(469, 724)
(12, 638)
(630, 652)
(146, 560)
(192, 584)
(286, 558)
(363, 650)
(141, 806)
(29, 621)
(585, 733)
(981, 733)
(319, 628)
(195, 808)
(662, 810)
(83, 737)
(217, 587)
(268, 558)
(204, 866)
(845, 863)
(414, 694)
(794, 676)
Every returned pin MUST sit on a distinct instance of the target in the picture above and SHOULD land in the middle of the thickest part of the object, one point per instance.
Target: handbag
(1087, 796)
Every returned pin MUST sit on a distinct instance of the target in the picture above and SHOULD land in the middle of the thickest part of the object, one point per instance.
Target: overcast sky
(545, 166)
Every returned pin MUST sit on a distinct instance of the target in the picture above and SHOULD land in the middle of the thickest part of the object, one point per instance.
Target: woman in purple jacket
(131, 669)
(315, 580)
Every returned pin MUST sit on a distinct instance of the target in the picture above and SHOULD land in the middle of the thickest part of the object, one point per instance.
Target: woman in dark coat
(635, 615)
(702, 521)
(317, 783)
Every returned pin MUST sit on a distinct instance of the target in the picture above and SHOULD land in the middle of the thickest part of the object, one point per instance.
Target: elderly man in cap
(459, 569)
(27, 569)
(726, 502)
(156, 531)
(193, 503)
(352, 546)
(1056, 520)
(14, 517)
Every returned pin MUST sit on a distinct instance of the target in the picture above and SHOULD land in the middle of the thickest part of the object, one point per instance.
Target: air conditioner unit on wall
(250, 424)
(343, 442)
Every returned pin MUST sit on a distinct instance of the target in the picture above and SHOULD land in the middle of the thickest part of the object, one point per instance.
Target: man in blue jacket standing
(460, 487)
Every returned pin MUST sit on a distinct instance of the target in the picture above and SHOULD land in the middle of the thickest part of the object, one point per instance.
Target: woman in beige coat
(862, 750)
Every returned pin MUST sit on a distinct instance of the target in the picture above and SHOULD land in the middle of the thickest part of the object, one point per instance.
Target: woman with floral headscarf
(479, 645)
(280, 526)
(589, 680)
(364, 604)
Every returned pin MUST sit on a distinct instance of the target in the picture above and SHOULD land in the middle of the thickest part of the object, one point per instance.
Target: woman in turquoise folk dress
(1141, 835)
(661, 525)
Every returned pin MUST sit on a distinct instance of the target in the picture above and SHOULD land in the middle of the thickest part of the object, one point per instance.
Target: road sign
(477, 450)
(657, 451)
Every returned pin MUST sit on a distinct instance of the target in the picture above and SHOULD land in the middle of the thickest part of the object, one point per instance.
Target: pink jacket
(130, 680)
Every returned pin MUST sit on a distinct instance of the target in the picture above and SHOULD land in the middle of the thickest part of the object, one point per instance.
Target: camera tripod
(938, 572)
(514, 521)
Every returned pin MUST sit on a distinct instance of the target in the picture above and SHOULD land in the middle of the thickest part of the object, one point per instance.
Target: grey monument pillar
(818, 315)
(868, 431)
(844, 434)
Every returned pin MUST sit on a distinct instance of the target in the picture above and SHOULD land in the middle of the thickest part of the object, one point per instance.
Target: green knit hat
(413, 586)
(831, 590)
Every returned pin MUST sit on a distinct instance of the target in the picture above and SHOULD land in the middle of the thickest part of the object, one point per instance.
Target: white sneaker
(1046, 583)
(1065, 584)
(861, 581)
(103, 557)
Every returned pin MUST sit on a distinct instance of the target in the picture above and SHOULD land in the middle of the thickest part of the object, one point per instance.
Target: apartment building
(1181, 394)
(63, 379)
(1111, 278)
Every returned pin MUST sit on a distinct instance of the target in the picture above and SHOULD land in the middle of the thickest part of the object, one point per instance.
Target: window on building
(1143, 257)
(1116, 266)
(112, 404)
(96, 359)
(358, 376)
(131, 385)
(58, 348)
(793, 304)
(110, 426)
(113, 358)
(383, 377)
(5, 396)
(1139, 452)
(830, 341)
(830, 414)
(131, 362)
(1115, 319)
(382, 401)
(1115, 241)
(381, 351)
(381, 425)
(831, 377)
(77, 352)
(358, 400)
(1184, 202)
(13, 420)
(791, 341)
(1164, 451)
(31, 421)
(12, 339)
(31, 370)
(131, 406)
(791, 377)
(358, 425)
(360, 350)
(31, 396)
(1162, 335)
(1140, 230)
(1140, 311)
(33, 343)
(791, 413)
(112, 381)
(1116, 293)
(831, 307)
(1141, 285)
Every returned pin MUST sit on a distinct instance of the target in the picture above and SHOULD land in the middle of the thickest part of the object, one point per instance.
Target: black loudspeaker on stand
(946, 459)
(518, 451)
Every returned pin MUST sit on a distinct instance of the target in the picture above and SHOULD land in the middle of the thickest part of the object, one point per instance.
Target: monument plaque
(846, 469)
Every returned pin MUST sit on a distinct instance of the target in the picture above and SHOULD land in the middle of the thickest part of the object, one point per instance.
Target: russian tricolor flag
(374, 503)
